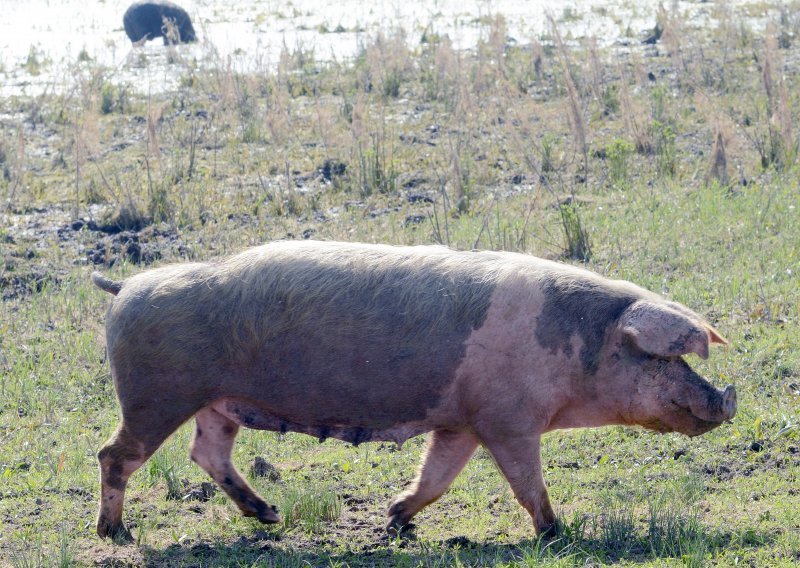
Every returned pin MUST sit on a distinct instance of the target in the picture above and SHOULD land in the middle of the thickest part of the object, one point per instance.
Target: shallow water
(250, 34)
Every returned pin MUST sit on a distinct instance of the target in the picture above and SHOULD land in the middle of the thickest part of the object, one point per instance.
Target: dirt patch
(112, 556)
(122, 246)
(202, 492)
(762, 459)
(36, 242)
(137, 245)
(29, 281)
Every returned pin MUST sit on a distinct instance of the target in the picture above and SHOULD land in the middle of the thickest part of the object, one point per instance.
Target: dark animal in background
(149, 20)
(378, 343)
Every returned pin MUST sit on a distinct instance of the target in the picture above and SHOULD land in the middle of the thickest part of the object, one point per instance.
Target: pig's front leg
(446, 455)
(520, 461)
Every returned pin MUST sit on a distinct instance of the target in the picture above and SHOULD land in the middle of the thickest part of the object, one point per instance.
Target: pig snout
(717, 406)
(729, 403)
(719, 409)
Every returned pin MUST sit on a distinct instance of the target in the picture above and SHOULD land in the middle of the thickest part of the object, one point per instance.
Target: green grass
(459, 148)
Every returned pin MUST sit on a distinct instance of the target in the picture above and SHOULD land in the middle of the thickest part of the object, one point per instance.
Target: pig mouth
(680, 419)
(690, 423)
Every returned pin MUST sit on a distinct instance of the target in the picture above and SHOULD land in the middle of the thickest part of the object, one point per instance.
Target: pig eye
(631, 350)
(664, 360)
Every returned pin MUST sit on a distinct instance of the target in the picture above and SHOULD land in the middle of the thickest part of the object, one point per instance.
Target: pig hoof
(122, 536)
(269, 515)
(548, 532)
(395, 528)
(118, 534)
(398, 524)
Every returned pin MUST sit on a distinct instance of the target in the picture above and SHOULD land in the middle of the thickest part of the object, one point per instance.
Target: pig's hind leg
(211, 450)
(446, 455)
(134, 441)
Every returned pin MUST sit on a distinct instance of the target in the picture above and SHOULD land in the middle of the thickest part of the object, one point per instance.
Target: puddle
(42, 40)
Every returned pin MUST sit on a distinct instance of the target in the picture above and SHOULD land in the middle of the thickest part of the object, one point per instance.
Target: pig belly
(252, 414)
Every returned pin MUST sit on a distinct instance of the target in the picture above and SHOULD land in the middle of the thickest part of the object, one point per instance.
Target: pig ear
(660, 330)
(715, 336)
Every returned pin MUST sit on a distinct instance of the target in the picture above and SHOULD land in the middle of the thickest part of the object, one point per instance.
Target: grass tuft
(310, 510)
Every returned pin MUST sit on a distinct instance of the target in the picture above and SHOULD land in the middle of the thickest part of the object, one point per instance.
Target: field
(671, 164)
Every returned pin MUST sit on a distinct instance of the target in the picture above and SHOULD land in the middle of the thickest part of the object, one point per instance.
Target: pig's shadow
(429, 553)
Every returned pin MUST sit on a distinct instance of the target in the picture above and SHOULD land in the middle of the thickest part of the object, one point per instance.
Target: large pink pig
(372, 342)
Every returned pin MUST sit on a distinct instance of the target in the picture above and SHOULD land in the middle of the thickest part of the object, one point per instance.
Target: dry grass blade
(575, 106)
(719, 162)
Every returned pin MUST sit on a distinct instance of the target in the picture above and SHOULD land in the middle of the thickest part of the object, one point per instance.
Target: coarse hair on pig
(222, 312)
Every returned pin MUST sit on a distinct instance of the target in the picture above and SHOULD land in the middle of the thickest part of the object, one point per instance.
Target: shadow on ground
(264, 550)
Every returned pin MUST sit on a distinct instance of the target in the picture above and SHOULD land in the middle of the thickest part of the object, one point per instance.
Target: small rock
(133, 251)
(332, 168)
(460, 542)
(208, 490)
(414, 220)
(418, 198)
(265, 535)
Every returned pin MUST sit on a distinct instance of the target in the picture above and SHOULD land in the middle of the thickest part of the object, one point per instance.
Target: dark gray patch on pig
(374, 351)
(579, 306)
(679, 345)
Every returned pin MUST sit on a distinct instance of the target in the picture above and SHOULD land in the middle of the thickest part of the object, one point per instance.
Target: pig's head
(657, 388)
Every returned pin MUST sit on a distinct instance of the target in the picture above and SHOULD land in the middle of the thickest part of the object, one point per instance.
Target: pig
(156, 18)
(364, 342)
